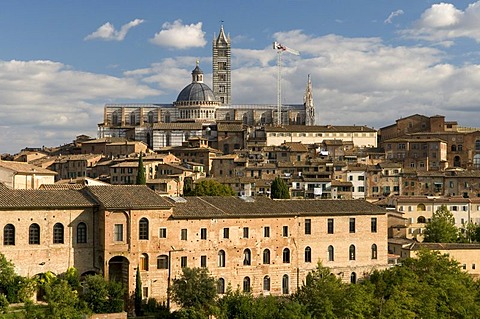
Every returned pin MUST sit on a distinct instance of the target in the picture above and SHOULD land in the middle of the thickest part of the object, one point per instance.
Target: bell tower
(308, 103)
(222, 83)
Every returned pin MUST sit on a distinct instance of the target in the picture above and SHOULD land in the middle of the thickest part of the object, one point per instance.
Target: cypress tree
(138, 293)
(141, 178)
(280, 189)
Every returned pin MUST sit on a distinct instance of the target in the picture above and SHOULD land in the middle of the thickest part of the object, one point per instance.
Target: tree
(138, 293)
(441, 228)
(195, 289)
(187, 186)
(63, 301)
(280, 189)
(210, 187)
(103, 296)
(141, 178)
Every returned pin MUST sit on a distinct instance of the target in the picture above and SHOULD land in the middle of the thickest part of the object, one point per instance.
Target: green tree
(441, 228)
(187, 186)
(141, 177)
(3, 303)
(210, 187)
(103, 296)
(63, 301)
(7, 278)
(195, 289)
(138, 293)
(280, 189)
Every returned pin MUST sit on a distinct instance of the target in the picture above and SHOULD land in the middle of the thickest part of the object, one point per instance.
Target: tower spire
(308, 104)
(222, 83)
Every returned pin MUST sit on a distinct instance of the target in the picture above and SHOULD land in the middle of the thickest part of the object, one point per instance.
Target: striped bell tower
(222, 82)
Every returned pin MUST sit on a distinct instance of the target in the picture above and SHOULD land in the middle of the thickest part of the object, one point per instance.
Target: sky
(371, 62)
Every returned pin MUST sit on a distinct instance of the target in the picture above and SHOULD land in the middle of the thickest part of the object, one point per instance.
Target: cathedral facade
(198, 109)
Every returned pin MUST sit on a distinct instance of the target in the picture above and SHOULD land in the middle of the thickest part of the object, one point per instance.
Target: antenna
(280, 49)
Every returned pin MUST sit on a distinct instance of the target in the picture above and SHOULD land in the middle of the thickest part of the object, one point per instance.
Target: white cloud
(393, 15)
(107, 31)
(180, 36)
(48, 103)
(444, 22)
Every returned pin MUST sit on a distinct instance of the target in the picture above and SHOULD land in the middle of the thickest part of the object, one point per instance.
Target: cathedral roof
(196, 92)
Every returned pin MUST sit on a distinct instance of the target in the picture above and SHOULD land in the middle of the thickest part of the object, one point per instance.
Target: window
(353, 278)
(145, 293)
(143, 229)
(266, 256)
(226, 233)
(285, 231)
(352, 225)
(34, 234)
(184, 234)
(266, 283)
(144, 262)
(361, 178)
(330, 226)
(245, 232)
(162, 262)
(373, 224)
(221, 258)
(308, 254)
(331, 253)
(374, 251)
(246, 284)
(162, 232)
(81, 233)
(58, 233)
(203, 261)
(221, 286)
(375, 189)
(183, 261)
(247, 257)
(286, 256)
(118, 232)
(203, 233)
(308, 226)
(351, 252)
(266, 231)
(9, 235)
(285, 284)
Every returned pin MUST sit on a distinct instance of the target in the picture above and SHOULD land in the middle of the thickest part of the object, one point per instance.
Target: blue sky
(371, 62)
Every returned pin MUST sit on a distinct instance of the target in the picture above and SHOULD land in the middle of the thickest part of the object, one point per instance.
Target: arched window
(132, 119)
(374, 251)
(115, 119)
(308, 254)
(331, 253)
(143, 229)
(351, 252)
(34, 234)
(9, 235)
(162, 262)
(266, 283)
(285, 285)
(477, 145)
(58, 233)
(454, 148)
(457, 162)
(221, 286)
(353, 278)
(150, 117)
(167, 117)
(421, 207)
(144, 262)
(246, 284)
(286, 256)
(247, 257)
(421, 220)
(266, 256)
(81, 233)
(221, 258)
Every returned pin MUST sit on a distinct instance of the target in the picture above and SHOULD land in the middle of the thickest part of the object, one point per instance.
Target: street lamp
(170, 273)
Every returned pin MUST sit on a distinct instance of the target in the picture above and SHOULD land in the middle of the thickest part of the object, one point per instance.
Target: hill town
(358, 198)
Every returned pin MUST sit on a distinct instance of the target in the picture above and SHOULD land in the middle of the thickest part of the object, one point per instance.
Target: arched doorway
(118, 270)
(456, 161)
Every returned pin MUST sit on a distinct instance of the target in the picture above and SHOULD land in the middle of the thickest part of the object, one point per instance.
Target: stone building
(259, 245)
(21, 175)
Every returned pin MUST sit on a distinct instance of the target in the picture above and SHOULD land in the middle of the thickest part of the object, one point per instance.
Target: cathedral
(198, 109)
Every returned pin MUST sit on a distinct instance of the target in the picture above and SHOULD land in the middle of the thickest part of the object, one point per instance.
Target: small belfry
(308, 103)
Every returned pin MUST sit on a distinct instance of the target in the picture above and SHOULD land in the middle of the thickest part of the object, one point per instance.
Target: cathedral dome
(197, 90)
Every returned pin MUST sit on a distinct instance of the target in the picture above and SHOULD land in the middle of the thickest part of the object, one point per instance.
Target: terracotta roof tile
(127, 197)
